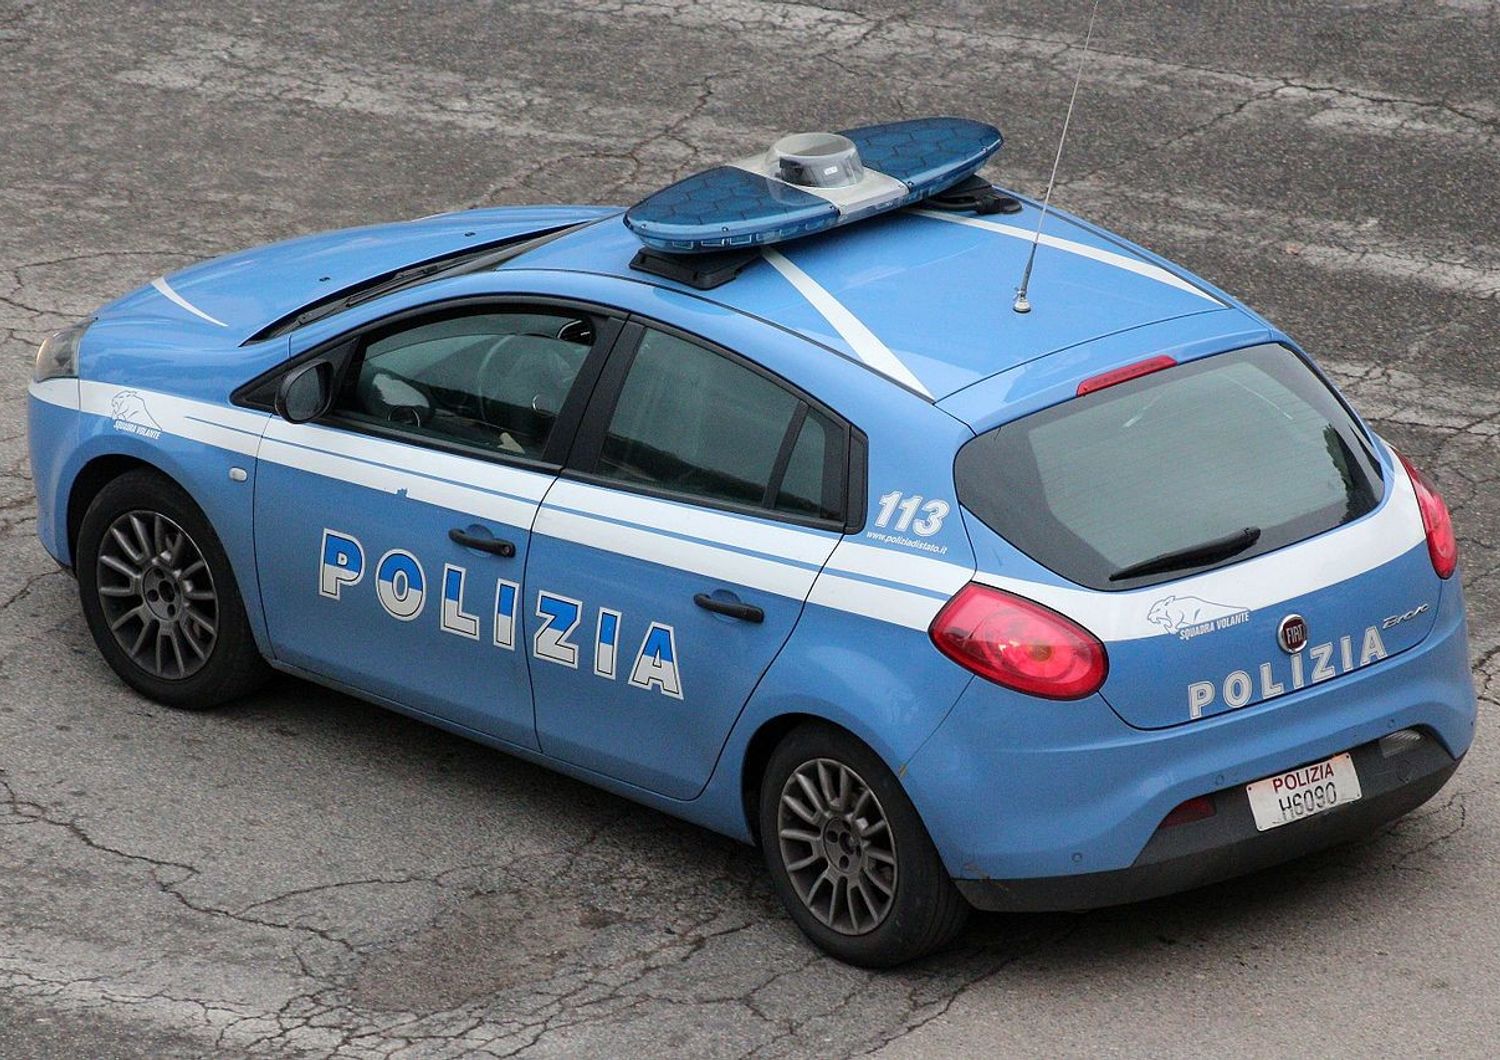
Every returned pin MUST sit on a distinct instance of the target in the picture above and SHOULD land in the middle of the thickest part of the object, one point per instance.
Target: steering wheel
(522, 381)
(580, 331)
(397, 400)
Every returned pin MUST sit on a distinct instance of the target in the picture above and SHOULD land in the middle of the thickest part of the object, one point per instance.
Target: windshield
(1179, 471)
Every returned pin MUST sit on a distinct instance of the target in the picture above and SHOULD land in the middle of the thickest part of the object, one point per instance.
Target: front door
(669, 565)
(391, 536)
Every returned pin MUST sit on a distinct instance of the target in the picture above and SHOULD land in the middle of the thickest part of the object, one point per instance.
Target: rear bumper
(1228, 843)
(1016, 789)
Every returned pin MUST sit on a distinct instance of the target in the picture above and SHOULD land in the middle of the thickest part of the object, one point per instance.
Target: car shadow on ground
(623, 877)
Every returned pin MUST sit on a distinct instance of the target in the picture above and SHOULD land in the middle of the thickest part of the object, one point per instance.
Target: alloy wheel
(157, 594)
(837, 846)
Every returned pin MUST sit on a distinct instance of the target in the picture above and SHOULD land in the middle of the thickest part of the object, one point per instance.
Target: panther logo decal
(128, 410)
(1187, 615)
(129, 407)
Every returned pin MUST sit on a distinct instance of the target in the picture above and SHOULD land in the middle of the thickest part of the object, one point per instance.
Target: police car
(795, 529)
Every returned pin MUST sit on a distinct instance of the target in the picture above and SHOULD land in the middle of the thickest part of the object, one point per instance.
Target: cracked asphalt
(303, 874)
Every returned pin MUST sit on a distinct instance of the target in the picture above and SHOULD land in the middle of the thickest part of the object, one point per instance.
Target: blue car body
(585, 650)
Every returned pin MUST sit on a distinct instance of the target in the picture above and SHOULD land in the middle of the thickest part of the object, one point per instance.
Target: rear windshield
(1207, 463)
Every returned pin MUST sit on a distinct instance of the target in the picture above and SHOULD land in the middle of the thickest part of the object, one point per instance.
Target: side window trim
(583, 459)
(784, 456)
(856, 484)
(572, 416)
(346, 350)
(588, 443)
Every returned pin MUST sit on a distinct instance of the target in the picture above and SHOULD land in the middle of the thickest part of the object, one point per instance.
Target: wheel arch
(111, 489)
(763, 742)
(914, 917)
(229, 520)
(93, 477)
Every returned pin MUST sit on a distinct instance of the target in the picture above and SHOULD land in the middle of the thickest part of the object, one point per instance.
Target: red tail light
(1019, 644)
(1442, 546)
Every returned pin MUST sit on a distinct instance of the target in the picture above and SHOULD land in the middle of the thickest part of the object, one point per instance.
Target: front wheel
(848, 855)
(160, 598)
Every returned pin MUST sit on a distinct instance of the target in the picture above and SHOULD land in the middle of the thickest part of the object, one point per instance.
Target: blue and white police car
(787, 525)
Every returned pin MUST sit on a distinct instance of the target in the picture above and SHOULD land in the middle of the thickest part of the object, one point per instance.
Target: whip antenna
(1022, 305)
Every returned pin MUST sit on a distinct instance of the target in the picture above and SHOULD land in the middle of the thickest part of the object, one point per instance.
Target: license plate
(1303, 792)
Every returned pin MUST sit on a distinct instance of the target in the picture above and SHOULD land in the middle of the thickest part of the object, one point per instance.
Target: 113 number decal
(933, 513)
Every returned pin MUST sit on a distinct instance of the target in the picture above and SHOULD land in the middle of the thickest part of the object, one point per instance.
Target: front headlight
(58, 353)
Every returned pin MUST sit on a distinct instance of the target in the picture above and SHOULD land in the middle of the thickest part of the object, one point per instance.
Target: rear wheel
(848, 855)
(160, 598)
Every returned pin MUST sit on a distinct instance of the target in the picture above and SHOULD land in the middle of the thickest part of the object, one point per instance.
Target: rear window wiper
(1193, 556)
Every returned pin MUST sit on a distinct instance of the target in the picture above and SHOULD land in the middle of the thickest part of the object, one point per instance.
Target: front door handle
(493, 545)
(732, 608)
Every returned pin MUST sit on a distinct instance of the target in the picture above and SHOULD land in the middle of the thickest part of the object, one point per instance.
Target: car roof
(923, 297)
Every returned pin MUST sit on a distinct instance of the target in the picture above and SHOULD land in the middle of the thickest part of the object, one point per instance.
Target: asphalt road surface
(306, 874)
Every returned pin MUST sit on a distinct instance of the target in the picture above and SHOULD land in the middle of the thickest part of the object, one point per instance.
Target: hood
(225, 301)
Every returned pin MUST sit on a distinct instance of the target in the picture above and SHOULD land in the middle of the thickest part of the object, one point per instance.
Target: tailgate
(1199, 647)
(1186, 515)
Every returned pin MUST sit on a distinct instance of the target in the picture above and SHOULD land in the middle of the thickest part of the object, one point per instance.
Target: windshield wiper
(1192, 556)
(404, 278)
(471, 259)
(338, 304)
(476, 260)
(498, 256)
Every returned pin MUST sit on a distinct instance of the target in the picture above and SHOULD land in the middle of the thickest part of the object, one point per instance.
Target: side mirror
(305, 392)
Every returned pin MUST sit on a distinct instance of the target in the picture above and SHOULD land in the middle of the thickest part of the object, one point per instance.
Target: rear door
(671, 560)
(391, 536)
(1186, 515)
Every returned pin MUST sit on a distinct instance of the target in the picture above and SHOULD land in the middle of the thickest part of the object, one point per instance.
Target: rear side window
(691, 421)
(1176, 472)
(813, 483)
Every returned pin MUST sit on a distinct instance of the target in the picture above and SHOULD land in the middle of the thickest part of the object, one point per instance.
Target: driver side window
(493, 380)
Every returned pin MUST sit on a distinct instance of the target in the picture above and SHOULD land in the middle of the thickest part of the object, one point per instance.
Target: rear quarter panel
(860, 657)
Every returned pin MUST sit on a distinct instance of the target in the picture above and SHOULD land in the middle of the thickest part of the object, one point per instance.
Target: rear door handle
(733, 608)
(493, 545)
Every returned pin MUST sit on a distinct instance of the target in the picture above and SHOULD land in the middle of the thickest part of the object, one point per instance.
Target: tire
(189, 645)
(832, 833)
